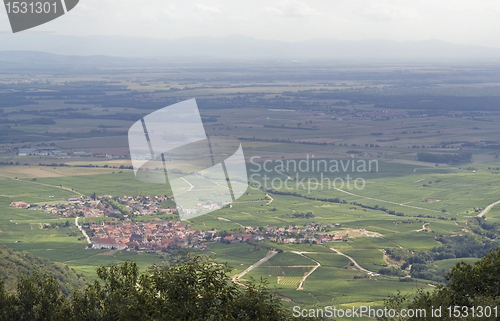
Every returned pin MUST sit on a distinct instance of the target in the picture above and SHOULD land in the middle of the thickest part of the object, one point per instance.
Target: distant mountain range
(241, 47)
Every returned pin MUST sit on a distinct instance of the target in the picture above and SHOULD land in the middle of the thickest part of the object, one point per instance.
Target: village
(147, 236)
(172, 235)
(104, 206)
(121, 231)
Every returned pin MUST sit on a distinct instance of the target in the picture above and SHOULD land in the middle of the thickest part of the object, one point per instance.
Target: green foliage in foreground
(469, 286)
(194, 288)
(14, 264)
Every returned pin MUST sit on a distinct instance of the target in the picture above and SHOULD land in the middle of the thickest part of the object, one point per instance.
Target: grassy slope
(15, 264)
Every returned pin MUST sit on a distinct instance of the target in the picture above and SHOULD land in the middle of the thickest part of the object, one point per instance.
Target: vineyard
(289, 280)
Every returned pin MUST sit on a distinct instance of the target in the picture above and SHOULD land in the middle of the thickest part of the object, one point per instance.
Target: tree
(38, 298)
(191, 288)
(468, 286)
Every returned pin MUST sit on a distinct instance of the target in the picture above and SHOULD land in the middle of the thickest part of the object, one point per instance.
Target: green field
(304, 114)
(335, 279)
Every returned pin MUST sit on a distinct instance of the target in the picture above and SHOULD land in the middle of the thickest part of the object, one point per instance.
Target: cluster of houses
(201, 207)
(144, 205)
(87, 207)
(166, 235)
(52, 151)
(73, 208)
(312, 233)
(47, 151)
(148, 236)
(20, 204)
(80, 207)
(39, 152)
(343, 114)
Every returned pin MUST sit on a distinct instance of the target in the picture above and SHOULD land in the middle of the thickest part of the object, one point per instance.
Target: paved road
(487, 209)
(82, 230)
(423, 227)
(269, 255)
(353, 261)
(301, 284)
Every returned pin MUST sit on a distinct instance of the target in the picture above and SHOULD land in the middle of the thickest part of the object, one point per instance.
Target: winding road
(423, 228)
(487, 209)
(301, 284)
(82, 230)
(353, 261)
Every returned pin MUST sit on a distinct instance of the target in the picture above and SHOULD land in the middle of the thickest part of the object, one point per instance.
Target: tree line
(464, 157)
(192, 288)
(469, 287)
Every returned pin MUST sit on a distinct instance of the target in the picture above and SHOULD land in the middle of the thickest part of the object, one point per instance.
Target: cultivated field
(306, 133)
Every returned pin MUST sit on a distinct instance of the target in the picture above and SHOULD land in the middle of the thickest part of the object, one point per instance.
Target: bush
(193, 288)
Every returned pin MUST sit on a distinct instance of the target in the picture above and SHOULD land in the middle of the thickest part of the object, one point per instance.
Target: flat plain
(401, 203)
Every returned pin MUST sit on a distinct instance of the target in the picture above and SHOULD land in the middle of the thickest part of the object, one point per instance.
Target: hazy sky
(456, 21)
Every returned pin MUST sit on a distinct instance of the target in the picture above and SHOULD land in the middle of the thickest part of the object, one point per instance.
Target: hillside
(15, 264)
